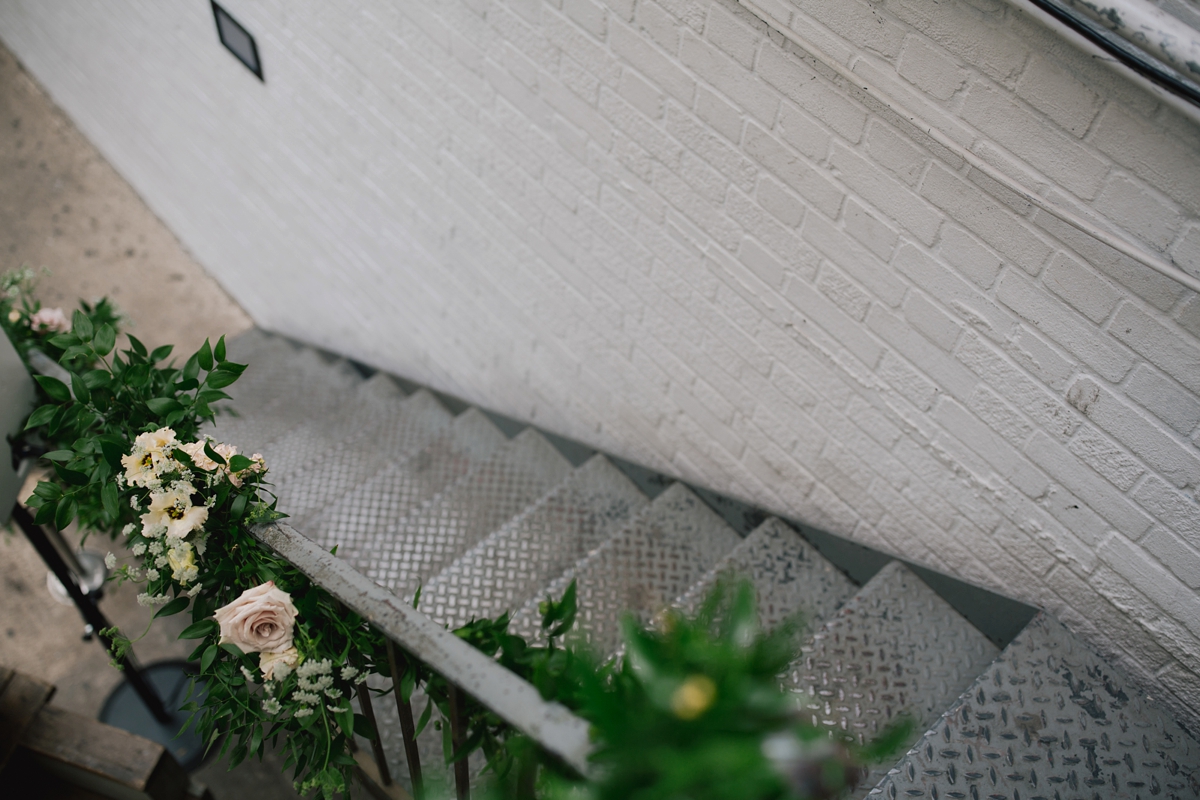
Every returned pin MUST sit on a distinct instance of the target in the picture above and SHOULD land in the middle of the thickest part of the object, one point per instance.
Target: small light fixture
(237, 40)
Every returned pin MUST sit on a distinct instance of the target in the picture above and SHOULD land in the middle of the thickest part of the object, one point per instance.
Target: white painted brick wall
(656, 227)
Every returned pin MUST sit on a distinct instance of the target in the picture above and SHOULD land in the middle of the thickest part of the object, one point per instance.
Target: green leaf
(41, 416)
(64, 340)
(67, 509)
(213, 454)
(186, 385)
(137, 345)
(425, 715)
(47, 490)
(56, 389)
(161, 352)
(238, 507)
(113, 447)
(219, 379)
(362, 727)
(191, 369)
(345, 720)
(81, 326)
(207, 659)
(232, 649)
(229, 366)
(45, 514)
(80, 389)
(210, 395)
(73, 477)
(173, 607)
(219, 350)
(106, 339)
(162, 406)
(198, 630)
(109, 497)
(59, 455)
(239, 463)
(95, 378)
(205, 356)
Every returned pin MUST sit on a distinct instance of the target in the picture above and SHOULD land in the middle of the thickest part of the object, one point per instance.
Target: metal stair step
(895, 648)
(788, 574)
(1049, 718)
(504, 570)
(416, 548)
(663, 551)
(366, 514)
(392, 430)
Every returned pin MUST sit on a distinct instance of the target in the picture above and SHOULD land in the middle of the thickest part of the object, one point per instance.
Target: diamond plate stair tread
(311, 387)
(501, 487)
(788, 574)
(401, 429)
(894, 648)
(373, 508)
(665, 549)
(508, 567)
(358, 415)
(1049, 719)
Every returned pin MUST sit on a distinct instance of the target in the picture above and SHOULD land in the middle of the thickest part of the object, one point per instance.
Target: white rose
(260, 621)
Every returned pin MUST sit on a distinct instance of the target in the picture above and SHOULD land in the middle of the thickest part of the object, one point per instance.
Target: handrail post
(364, 702)
(458, 736)
(399, 663)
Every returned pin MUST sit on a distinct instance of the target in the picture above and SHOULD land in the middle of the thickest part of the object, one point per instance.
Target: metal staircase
(413, 495)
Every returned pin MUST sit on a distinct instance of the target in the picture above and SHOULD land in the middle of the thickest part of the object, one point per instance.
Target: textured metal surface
(666, 548)
(413, 550)
(390, 434)
(893, 649)
(788, 574)
(368, 513)
(1049, 719)
(549, 724)
(508, 567)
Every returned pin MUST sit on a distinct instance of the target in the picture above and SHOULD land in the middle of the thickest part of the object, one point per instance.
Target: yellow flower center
(693, 697)
(175, 512)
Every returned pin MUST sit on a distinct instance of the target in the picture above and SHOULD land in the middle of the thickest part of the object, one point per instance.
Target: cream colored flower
(277, 666)
(14, 316)
(183, 563)
(150, 457)
(173, 510)
(261, 620)
(50, 319)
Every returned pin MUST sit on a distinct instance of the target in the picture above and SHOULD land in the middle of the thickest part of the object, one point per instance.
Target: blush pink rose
(261, 620)
(50, 319)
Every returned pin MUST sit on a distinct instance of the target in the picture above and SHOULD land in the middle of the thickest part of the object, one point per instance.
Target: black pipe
(92, 616)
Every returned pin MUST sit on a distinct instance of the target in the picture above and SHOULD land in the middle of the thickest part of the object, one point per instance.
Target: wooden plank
(21, 698)
(103, 759)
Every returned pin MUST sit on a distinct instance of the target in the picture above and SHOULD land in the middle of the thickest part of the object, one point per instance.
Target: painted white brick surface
(659, 228)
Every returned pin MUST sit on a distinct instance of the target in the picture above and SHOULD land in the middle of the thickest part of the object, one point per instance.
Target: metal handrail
(515, 700)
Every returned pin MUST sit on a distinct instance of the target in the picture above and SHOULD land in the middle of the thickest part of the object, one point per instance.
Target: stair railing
(411, 633)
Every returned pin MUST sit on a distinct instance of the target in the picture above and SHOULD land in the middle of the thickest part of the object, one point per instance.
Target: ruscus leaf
(56, 389)
(173, 607)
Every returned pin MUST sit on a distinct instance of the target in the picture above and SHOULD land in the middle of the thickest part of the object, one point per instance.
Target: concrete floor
(63, 207)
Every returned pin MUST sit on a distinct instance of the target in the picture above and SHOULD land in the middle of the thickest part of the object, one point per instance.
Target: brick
(895, 152)
(723, 116)
(1173, 353)
(1063, 326)
(930, 69)
(931, 321)
(1000, 416)
(792, 169)
(662, 27)
(1175, 554)
(945, 372)
(1028, 137)
(1188, 316)
(781, 241)
(1052, 89)
(888, 195)
(1174, 509)
(854, 259)
(1175, 461)
(813, 94)
(968, 303)
(966, 33)
(1154, 581)
(969, 205)
(848, 296)
(641, 130)
(1106, 457)
(694, 136)
(640, 94)
(868, 229)
(704, 179)
(577, 112)
(578, 45)
(651, 61)
(731, 36)
(911, 385)
(814, 308)
(803, 132)
(858, 22)
(1047, 411)
(969, 256)
(1081, 288)
(1140, 210)
(589, 15)
(724, 74)
(1186, 251)
(1163, 160)
(779, 201)
(1164, 398)
(761, 263)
